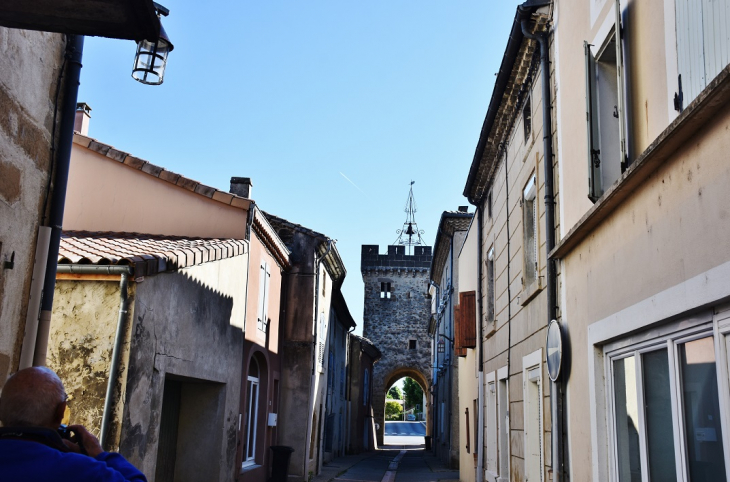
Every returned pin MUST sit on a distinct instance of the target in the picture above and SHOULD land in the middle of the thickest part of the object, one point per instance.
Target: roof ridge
(161, 173)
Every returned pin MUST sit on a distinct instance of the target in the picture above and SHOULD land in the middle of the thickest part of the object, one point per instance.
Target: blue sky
(331, 107)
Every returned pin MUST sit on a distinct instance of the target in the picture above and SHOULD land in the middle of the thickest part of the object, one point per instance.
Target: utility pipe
(74, 51)
(34, 302)
(124, 272)
(480, 371)
(556, 392)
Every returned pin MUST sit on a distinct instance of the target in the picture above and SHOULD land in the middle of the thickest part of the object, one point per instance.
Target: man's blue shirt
(29, 461)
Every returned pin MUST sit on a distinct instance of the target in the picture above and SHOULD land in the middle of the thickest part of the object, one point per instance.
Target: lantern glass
(151, 59)
(441, 346)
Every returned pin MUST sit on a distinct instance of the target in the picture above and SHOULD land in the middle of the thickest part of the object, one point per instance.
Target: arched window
(251, 416)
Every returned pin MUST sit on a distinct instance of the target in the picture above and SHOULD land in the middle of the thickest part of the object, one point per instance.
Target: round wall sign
(554, 349)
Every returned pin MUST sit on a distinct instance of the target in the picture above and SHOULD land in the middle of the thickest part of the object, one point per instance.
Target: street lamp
(151, 57)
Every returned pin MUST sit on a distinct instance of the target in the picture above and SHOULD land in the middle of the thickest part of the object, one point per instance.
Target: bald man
(32, 404)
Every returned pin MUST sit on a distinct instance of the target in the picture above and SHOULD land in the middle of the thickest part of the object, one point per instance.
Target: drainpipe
(480, 372)
(124, 272)
(556, 392)
(74, 51)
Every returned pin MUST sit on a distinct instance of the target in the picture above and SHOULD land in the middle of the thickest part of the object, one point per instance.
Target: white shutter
(595, 189)
(620, 88)
(261, 322)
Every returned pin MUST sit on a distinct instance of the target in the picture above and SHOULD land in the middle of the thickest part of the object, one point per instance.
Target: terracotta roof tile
(148, 254)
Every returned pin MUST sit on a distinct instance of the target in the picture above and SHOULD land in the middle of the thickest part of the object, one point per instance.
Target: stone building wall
(390, 322)
(29, 67)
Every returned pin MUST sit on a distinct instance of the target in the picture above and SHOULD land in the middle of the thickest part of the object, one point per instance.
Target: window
(605, 111)
(703, 45)
(411, 344)
(475, 413)
(665, 407)
(489, 204)
(263, 309)
(490, 284)
(533, 396)
(527, 118)
(490, 426)
(503, 422)
(385, 290)
(251, 415)
(529, 227)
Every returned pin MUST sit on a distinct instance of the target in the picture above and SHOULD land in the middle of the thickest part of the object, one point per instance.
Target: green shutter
(595, 190)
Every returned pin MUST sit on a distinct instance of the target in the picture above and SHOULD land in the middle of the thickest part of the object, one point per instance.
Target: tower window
(411, 344)
(385, 290)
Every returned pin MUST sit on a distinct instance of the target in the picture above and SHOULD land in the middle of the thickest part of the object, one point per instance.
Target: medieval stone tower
(396, 319)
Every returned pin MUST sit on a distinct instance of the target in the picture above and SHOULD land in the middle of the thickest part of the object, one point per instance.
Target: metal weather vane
(410, 235)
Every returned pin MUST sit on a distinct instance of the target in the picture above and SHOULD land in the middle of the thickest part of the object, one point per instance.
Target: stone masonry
(396, 318)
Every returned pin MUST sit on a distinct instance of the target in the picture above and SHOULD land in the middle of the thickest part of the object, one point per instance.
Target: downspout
(451, 346)
(480, 372)
(74, 51)
(556, 392)
(124, 272)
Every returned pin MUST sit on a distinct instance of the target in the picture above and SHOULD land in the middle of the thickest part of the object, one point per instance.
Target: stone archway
(388, 379)
(395, 319)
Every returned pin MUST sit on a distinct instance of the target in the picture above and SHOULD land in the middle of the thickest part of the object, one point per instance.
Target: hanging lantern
(151, 58)
(441, 346)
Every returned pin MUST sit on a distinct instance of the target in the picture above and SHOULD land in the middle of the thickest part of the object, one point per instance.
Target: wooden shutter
(467, 301)
(595, 189)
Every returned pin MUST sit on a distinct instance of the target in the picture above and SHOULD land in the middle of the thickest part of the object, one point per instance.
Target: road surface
(404, 433)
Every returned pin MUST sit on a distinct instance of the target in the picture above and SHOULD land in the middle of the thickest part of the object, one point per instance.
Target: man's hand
(89, 442)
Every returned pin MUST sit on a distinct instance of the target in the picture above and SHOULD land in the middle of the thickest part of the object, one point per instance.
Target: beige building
(503, 385)
(644, 242)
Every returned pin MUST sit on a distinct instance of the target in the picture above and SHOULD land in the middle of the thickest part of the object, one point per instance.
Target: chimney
(81, 122)
(241, 186)
(463, 209)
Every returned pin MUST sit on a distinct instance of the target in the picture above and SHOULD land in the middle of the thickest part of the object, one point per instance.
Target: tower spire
(409, 235)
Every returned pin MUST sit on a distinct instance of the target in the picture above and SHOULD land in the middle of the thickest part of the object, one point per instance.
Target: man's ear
(59, 413)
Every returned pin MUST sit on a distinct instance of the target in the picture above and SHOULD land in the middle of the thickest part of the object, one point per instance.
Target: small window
(490, 284)
(605, 115)
(527, 118)
(489, 204)
(411, 344)
(529, 226)
(385, 290)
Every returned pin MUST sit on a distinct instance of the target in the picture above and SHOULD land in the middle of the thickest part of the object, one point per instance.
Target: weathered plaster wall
(29, 66)
(183, 330)
(85, 316)
(390, 322)
(673, 228)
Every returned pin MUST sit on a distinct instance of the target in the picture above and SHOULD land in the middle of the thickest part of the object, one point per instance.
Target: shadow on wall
(182, 348)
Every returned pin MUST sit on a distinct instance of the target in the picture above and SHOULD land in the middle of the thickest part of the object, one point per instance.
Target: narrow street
(388, 465)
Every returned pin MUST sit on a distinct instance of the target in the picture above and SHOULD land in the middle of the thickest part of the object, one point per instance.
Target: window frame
(252, 415)
(668, 336)
(530, 211)
(503, 425)
(530, 363)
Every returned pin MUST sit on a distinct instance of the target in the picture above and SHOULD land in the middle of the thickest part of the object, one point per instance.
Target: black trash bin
(428, 442)
(280, 463)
